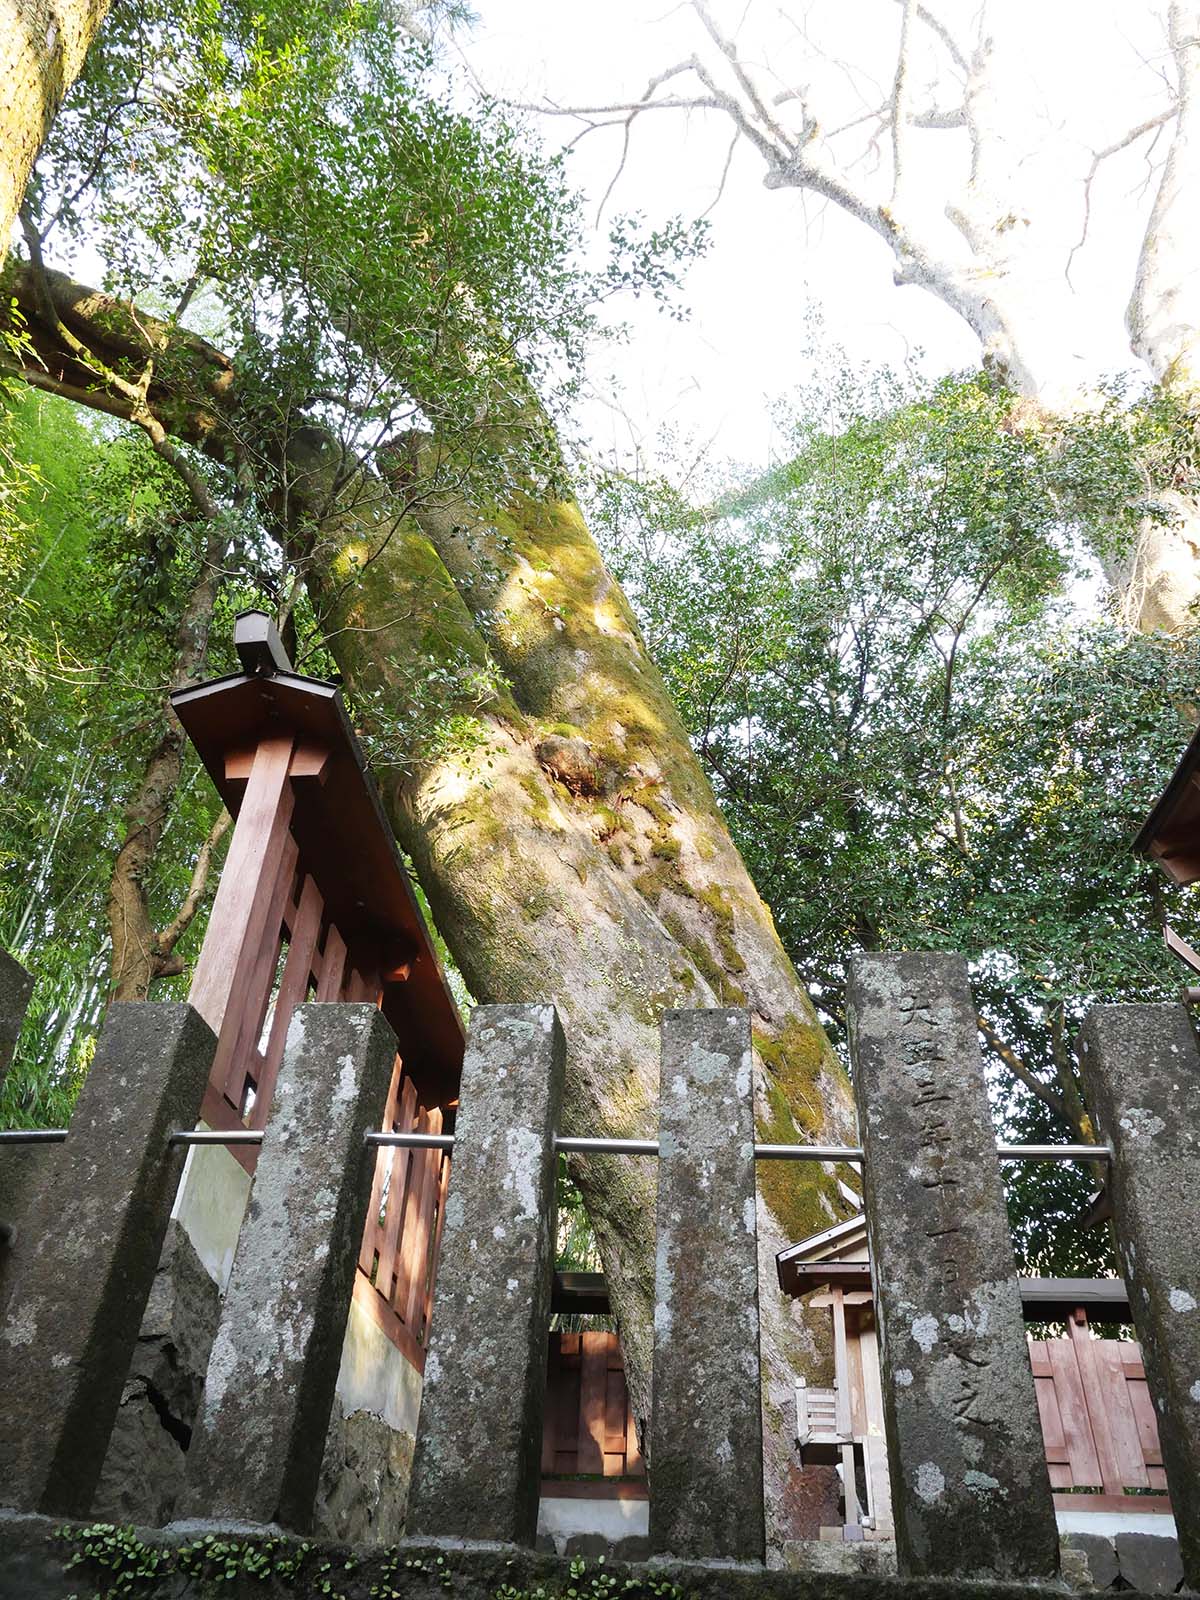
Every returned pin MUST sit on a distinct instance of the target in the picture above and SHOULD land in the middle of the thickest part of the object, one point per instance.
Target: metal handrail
(572, 1144)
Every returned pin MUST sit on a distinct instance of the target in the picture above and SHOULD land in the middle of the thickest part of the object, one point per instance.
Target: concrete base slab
(564, 1518)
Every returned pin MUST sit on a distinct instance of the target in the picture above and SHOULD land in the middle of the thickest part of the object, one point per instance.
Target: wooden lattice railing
(273, 943)
(301, 956)
(589, 1429)
(1098, 1423)
(397, 1265)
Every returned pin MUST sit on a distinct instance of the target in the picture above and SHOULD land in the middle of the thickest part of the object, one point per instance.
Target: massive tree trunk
(1160, 579)
(43, 44)
(560, 822)
(572, 849)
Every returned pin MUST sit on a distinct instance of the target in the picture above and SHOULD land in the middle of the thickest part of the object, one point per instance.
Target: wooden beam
(237, 925)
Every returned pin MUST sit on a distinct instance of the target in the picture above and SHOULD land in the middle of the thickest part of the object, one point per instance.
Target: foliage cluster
(381, 249)
(922, 734)
(127, 1566)
(103, 554)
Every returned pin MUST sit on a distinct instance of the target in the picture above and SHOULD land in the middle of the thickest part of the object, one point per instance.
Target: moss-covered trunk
(42, 49)
(572, 849)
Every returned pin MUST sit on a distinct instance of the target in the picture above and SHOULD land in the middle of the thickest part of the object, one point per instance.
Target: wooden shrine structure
(1098, 1427)
(314, 904)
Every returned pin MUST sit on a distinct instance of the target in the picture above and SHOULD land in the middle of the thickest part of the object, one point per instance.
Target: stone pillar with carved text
(970, 1489)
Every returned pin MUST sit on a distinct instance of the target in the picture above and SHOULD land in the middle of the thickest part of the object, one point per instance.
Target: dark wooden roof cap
(344, 837)
(257, 642)
(1170, 835)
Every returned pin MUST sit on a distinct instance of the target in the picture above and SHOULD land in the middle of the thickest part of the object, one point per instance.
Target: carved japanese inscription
(971, 1496)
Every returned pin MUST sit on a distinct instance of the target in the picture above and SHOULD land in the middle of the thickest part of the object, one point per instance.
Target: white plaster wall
(614, 1519)
(210, 1205)
(1110, 1523)
(375, 1377)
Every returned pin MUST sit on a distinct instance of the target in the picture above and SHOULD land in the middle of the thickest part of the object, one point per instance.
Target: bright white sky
(1094, 69)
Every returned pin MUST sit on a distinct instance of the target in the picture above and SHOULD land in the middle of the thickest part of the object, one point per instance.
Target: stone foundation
(1147, 1562)
(365, 1469)
(34, 1557)
(363, 1490)
(147, 1456)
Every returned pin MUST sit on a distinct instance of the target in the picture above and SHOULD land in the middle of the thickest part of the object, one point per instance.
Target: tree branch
(1100, 156)
(1009, 1058)
(182, 921)
(900, 114)
(938, 27)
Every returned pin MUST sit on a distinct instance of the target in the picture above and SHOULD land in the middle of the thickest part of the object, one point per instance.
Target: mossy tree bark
(572, 849)
(560, 822)
(43, 44)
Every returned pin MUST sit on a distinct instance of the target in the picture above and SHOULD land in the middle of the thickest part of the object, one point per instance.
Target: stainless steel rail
(578, 1145)
(413, 1141)
(217, 1136)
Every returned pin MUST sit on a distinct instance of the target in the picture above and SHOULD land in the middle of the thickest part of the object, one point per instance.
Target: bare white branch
(1151, 125)
(937, 26)
(900, 110)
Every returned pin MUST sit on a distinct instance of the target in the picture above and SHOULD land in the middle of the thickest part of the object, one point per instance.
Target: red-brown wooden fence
(1098, 1422)
(397, 1265)
(589, 1428)
(274, 942)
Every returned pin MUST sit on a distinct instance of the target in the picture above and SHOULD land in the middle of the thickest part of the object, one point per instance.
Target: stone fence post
(96, 1231)
(256, 1448)
(1141, 1074)
(970, 1489)
(706, 1450)
(479, 1440)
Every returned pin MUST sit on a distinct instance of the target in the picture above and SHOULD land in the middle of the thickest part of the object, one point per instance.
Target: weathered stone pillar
(706, 1463)
(94, 1236)
(1141, 1073)
(970, 1490)
(477, 1465)
(257, 1444)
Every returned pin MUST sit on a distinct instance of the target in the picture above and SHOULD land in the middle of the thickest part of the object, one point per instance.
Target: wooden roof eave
(1170, 835)
(343, 833)
(1042, 1299)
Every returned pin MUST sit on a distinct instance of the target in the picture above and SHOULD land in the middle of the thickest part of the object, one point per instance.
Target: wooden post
(239, 926)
